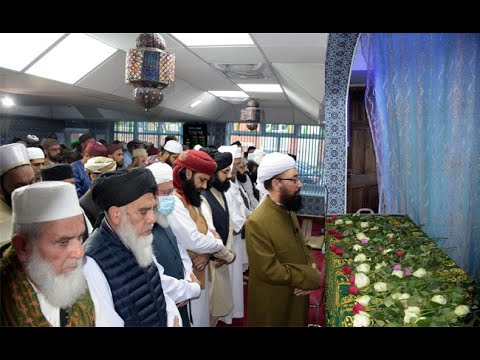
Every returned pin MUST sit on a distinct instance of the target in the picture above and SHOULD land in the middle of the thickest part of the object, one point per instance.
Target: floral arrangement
(395, 275)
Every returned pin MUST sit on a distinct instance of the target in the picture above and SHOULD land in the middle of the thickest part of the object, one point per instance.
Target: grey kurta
(279, 262)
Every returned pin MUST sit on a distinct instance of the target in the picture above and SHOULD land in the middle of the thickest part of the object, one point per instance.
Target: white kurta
(248, 187)
(174, 290)
(237, 212)
(189, 238)
(5, 223)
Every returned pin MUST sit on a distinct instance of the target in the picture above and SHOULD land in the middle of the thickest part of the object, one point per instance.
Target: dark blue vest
(137, 292)
(166, 251)
(221, 216)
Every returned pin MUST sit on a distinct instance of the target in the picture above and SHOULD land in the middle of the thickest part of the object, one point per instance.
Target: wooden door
(362, 191)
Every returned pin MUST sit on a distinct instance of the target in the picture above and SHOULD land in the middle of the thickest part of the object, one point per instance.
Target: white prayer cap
(12, 156)
(256, 156)
(44, 201)
(161, 172)
(35, 153)
(100, 164)
(173, 147)
(273, 164)
(197, 147)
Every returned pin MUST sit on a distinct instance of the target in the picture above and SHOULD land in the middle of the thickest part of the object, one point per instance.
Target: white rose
(374, 228)
(461, 310)
(390, 235)
(360, 258)
(380, 286)
(380, 265)
(364, 300)
(362, 319)
(339, 221)
(413, 309)
(420, 273)
(361, 280)
(386, 251)
(357, 247)
(396, 296)
(363, 268)
(409, 316)
(439, 299)
(404, 296)
(348, 222)
(361, 236)
(364, 224)
(397, 273)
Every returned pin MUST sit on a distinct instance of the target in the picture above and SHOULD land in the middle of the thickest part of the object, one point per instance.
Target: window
(305, 142)
(150, 131)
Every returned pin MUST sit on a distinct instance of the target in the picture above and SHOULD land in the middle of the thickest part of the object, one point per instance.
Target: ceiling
(295, 61)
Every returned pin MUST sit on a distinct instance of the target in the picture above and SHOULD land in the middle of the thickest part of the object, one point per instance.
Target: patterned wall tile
(340, 51)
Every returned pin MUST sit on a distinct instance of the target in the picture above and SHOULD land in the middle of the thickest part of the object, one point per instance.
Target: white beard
(60, 290)
(162, 220)
(141, 246)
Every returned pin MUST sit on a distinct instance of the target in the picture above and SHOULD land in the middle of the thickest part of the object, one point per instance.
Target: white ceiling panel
(108, 77)
(290, 39)
(310, 77)
(295, 54)
(230, 55)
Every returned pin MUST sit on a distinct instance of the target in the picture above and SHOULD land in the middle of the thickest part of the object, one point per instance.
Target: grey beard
(162, 220)
(141, 246)
(60, 290)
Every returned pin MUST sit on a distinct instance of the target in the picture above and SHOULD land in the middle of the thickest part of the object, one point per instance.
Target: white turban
(273, 164)
(256, 156)
(35, 153)
(197, 147)
(100, 164)
(161, 172)
(235, 150)
(12, 156)
(44, 201)
(173, 147)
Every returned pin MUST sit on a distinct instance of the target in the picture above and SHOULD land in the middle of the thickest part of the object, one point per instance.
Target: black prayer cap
(121, 187)
(57, 172)
(223, 159)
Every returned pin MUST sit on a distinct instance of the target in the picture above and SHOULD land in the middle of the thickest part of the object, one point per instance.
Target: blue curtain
(423, 105)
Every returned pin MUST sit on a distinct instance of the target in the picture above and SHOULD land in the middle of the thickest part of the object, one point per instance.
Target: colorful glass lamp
(149, 68)
(252, 115)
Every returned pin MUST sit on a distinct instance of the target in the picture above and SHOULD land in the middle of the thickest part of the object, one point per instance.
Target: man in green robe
(281, 267)
(42, 280)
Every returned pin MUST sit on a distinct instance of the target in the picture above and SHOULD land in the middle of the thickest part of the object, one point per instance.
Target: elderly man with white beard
(173, 258)
(120, 261)
(42, 283)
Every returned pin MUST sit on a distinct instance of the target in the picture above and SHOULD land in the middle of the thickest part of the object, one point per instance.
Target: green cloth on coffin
(443, 276)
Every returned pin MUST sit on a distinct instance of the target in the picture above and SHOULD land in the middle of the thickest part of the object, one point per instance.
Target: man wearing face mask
(175, 260)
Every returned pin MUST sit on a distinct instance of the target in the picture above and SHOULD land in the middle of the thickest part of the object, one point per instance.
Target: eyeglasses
(295, 179)
(166, 193)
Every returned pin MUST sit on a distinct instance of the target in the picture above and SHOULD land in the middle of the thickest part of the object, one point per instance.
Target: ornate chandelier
(252, 114)
(149, 68)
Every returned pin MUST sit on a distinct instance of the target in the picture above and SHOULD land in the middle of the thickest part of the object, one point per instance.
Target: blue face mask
(167, 204)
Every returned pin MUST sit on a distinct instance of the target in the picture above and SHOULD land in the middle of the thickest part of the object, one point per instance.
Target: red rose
(339, 251)
(334, 217)
(328, 220)
(351, 280)
(353, 290)
(338, 235)
(399, 253)
(333, 248)
(332, 232)
(357, 307)
(347, 270)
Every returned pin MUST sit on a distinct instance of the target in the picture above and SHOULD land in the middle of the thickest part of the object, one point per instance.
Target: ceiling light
(263, 88)
(195, 103)
(7, 102)
(72, 59)
(19, 50)
(214, 39)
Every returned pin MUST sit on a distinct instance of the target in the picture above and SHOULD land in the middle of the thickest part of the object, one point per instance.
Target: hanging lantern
(252, 115)
(149, 68)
